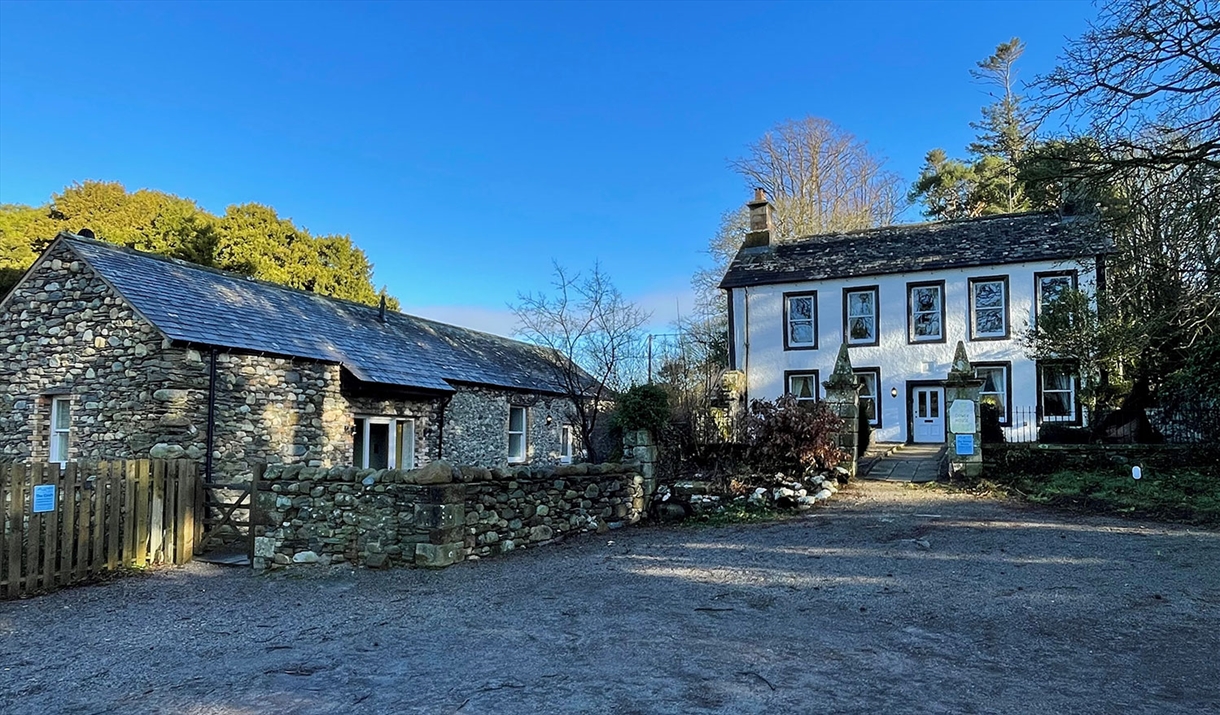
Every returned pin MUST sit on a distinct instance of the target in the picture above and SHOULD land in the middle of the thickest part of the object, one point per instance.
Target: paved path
(909, 463)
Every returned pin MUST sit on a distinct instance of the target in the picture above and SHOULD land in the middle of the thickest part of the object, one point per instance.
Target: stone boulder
(438, 472)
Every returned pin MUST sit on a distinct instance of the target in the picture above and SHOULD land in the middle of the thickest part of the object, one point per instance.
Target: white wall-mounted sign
(961, 417)
(44, 498)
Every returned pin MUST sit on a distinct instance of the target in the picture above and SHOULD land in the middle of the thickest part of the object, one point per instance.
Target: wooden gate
(70, 524)
(228, 532)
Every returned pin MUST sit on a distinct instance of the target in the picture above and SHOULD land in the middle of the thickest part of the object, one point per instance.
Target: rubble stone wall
(433, 516)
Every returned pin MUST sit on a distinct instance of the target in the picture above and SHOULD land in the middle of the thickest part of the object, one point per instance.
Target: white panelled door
(928, 411)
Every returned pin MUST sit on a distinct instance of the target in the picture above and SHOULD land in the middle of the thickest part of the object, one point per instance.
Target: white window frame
(1073, 388)
(1002, 391)
(59, 405)
(875, 396)
(875, 315)
(1040, 280)
(524, 432)
(975, 332)
(803, 374)
(812, 320)
(363, 423)
(566, 444)
(913, 314)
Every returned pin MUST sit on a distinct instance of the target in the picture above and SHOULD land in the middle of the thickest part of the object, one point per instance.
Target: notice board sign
(964, 445)
(44, 498)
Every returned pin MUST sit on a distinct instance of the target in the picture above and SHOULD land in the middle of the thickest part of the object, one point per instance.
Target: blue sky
(465, 146)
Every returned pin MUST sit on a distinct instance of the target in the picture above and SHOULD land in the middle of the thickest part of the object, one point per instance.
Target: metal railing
(1158, 425)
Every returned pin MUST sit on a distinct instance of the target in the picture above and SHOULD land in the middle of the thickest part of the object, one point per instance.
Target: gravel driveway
(891, 599)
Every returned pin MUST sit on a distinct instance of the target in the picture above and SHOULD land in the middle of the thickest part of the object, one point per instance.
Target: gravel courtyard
(891, 599)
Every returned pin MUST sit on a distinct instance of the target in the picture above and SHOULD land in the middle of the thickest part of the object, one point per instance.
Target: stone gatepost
(962, 391)
(441, 514)
(843, 399)
(639, 446)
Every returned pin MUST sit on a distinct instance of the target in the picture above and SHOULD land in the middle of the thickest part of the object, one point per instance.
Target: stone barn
(110, 353)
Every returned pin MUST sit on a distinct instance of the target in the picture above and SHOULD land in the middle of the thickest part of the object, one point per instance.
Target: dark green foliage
(249, 239)
(1054, 433)
(864, 434)
(643, 407)
(792, 437)
(989, 415)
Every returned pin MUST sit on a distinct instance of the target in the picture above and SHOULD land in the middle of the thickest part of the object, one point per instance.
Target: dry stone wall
(433, 516)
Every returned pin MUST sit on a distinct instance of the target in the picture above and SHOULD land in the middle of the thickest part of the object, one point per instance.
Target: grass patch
(738, 513)
(1190, 495)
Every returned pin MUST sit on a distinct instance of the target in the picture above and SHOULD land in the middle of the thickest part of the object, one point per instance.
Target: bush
(989, 415)
(864, 434)
(1052, 433)
(643, 407)
(790, 436)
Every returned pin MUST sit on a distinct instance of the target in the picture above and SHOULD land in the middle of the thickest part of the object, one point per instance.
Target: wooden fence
(98, 518)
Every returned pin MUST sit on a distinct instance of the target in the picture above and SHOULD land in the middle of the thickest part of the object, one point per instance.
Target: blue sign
(964, 444)
(44, 498)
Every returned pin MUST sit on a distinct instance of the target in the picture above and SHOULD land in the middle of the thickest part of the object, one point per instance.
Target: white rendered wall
(758, 334)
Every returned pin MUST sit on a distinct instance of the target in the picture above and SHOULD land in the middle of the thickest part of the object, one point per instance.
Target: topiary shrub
(864, 434)
(992, 431)
(643, 407)
(791, 436)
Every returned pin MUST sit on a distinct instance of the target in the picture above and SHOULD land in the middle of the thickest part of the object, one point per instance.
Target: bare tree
(821, 179)
(592, 334)
(1146, 78)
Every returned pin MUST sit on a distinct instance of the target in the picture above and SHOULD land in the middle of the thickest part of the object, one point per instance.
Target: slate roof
(992, 240)
(200, 305)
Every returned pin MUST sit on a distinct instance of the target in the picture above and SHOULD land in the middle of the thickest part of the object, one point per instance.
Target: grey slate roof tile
(992, 240)
(200, 305)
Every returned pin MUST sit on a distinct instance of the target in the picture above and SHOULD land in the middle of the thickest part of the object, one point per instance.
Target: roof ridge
(918, 224)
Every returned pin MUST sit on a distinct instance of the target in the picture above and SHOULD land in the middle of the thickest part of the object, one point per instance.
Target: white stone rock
(305, 557)
(823, 495)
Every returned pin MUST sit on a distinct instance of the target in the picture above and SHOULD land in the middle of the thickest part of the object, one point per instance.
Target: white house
(901, 297)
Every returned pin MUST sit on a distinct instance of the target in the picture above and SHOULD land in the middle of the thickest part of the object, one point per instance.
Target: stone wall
(66, 333)
(1033, 458)
(476, 426)
(433, 516)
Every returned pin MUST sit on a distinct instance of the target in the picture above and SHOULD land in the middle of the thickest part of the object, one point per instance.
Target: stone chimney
(761, 225)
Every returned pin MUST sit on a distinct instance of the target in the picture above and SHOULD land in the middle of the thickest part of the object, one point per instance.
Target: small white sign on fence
(44, 498)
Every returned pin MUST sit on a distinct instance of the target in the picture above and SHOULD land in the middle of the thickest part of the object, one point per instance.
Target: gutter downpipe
(207, 466)
(745, 343)
(440, 435)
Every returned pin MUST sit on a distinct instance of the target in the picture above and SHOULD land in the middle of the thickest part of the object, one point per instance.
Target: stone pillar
(639, 446)
(441, 512)
(843, 399)
(962, 391)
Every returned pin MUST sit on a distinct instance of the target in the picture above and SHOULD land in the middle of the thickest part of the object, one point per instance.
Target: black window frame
(970, 308)
(875, 372)
(814, 317)
(1077, 411)
(817, 383)
(876, 291)
(1006, 418)
(1038, 276)
(911, 313)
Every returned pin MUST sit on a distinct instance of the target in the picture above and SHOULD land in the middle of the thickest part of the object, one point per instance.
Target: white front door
(928, 411)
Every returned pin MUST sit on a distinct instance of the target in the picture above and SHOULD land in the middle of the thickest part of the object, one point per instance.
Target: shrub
(989, 415)
(643, 407)
(790, 436)
(864, 434)
(1052, 433)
